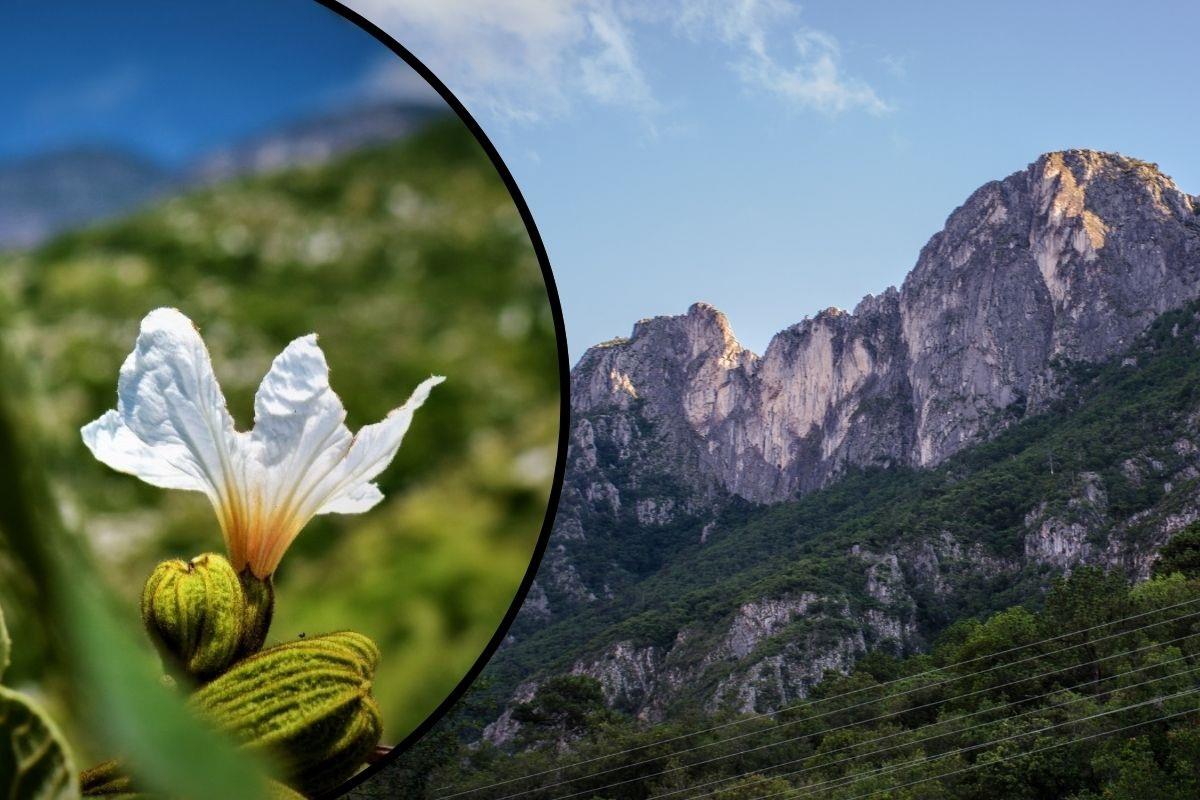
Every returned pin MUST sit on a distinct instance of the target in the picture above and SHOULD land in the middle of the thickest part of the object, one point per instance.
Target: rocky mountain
(691, 456)
(1067, 260)
(54, 191)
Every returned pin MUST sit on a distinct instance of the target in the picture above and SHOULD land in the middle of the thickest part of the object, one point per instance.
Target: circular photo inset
(283, 372)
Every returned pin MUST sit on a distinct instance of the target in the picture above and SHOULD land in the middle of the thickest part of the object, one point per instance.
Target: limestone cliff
(679, 430)
(1067, 260)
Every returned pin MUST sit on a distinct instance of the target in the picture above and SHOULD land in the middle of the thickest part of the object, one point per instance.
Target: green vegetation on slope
(407, 260)
(993, 712)
(1121, 421)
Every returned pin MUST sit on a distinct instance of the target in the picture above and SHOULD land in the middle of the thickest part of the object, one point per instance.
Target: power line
(831, 730)
(957, 731)
(960, 718)
(839, 710)
(1027, 753)
(833, 783)
(751, 718)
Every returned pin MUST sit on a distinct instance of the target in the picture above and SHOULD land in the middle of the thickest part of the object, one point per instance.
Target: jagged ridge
(1065, 262)
(1068, 259)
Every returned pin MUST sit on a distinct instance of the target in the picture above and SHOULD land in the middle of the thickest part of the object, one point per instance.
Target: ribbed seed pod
(109, 781)
(359, 735)
(362, 646)
(307, 703)
(194, 612)
(105, 779)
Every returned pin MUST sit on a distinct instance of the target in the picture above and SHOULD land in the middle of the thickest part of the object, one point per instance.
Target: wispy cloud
(897, 66)
(519, 59)
(772, 50)
(528, 60)
(814, 78)
(610, 72)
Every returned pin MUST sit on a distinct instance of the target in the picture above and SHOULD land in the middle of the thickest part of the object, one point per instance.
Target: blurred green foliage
(407, 260)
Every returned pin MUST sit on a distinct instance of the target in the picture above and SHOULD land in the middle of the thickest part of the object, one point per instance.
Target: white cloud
(897, 66)
(809, 72)
(527, 60)
(610, 73)
(814, 80)
(518, 59)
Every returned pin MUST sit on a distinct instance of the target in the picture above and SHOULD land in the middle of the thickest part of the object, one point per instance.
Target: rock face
(1066, 260)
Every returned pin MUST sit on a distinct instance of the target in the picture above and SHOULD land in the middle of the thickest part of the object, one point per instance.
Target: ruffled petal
(115, 445)
(298, 443)
(171, 427)
(341, 486)
(373, 449)
(356, 500)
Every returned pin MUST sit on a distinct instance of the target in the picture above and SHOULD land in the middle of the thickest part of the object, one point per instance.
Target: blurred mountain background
(48, 192)
(386, 230)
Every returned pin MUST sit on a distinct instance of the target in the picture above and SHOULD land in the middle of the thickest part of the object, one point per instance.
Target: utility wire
(751, 718)
(839, 710)
(850, 780)
(769, 745)
(1026, 754)
(955, 731)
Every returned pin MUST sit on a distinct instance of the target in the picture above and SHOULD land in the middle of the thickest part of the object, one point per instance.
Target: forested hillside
(747, 613)
(1095, 696)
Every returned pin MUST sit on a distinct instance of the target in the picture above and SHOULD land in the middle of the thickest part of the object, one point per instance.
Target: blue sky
(774, 159)
(172, 79)
(768, 158)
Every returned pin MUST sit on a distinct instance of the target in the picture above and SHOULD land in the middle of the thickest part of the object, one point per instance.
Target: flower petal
(298, 433)
(115, 445)
(373, 449)
(171, 426)
(297, 445)
(356, 500)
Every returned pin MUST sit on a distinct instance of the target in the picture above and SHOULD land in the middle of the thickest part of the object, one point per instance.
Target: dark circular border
(564, 379)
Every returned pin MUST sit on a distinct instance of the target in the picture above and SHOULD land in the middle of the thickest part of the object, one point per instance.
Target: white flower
(171, 428)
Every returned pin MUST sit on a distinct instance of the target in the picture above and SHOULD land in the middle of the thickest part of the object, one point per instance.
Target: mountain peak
(701, 328)
(1066, 260)
(1069, 260)
(1066, 178)
(316, 139)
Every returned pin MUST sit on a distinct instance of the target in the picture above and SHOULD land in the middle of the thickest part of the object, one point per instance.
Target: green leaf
(133, 712)
(5, 646)
(34, 761)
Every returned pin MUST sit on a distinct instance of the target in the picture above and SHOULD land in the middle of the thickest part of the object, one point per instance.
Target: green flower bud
(260, 608)
(194, 611)
(307, 703)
